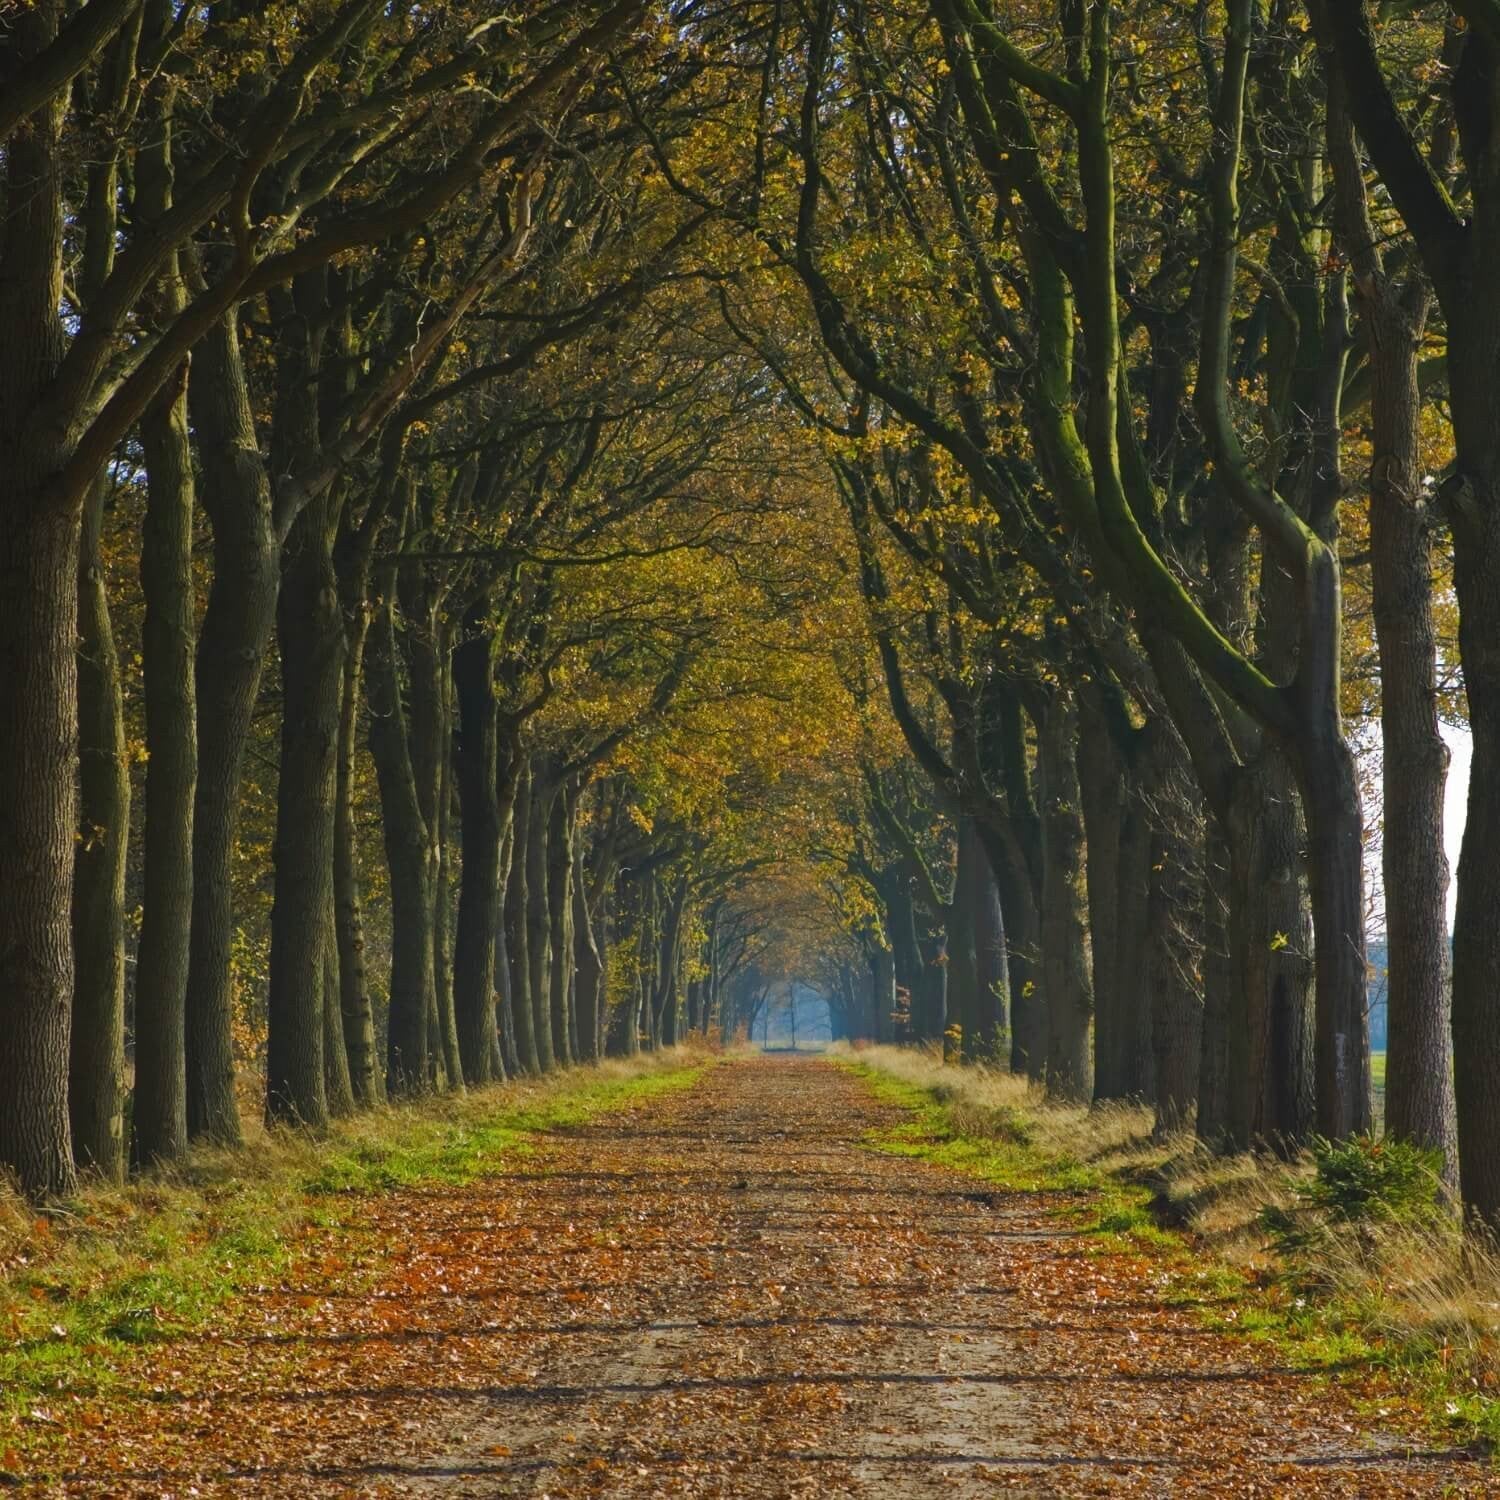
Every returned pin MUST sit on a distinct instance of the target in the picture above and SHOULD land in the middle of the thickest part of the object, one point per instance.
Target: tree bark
(538, 924)
(1101, 784)
(1218, 1094)
(476, 763)
(590, 964)
(883, 996)
(669, 968)
(1270, 1040)
(39, 537)
(429, 733)
(1335, 861)
(311, 637)
(963, 969)
(1174, 937)
(1476, 932)
(990, 972)
(561, 834)
(160, 1113)
(356, 1009)
(337, 1083)
(1018, 866)
(507, 1060)
(442, 919)
(161, 974)
(96, 1070)
(1414, 760)
(901, 927)
(232, 645)
(38, 727)
(517, 901)
(1129, 1040)
(1066, 987)
(409, 858)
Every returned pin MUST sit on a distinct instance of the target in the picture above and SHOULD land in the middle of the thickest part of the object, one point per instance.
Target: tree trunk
(987, 929)
(311, 637)
(883, 969)
(1335, 868)
(1174, 938)
(96, 1070)
(935, 989)
(1219, 1096)
(1102, 788)
(442, 935)
(429, 729)
(623, 1021)
(1130, 1037)
(408, 851)
(476, 762)
(538, 925)
(355, 1006)
(560, 839)
(232, 646)
(507, 1062)
(39, 536)
(713, 1014)
(901, 929)
(963, 972)
(161, 976)
(337, 1083)
(1066, 988)
(1023, 932)
(1472, 500)
(517, 902)
(590, 967)
(669, 968)
(1414, 760)
(1270, 1036)
(1476, 932)
(38, 810)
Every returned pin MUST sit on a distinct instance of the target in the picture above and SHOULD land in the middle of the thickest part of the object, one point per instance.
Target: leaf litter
(721, 1292)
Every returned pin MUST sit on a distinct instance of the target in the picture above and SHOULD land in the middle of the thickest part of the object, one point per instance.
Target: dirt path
(721, 1293)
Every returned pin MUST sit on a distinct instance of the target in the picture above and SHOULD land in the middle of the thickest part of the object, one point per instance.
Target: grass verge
(1414, 1305)
(84, 1281)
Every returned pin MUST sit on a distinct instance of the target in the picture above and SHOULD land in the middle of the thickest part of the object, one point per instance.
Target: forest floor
(723, 1290)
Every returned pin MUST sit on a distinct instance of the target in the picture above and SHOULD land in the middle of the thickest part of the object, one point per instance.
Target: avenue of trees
(524, 530)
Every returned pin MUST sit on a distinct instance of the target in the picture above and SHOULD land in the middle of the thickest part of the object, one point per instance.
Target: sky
(1455, 806)
(1461, 745)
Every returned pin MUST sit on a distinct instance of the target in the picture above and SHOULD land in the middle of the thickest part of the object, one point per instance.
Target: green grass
(458, 1151)
(83, 1283)
(1005, 1154)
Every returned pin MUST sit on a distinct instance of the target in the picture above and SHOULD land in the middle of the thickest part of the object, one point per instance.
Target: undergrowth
(83, 1280)
(1349, 1257)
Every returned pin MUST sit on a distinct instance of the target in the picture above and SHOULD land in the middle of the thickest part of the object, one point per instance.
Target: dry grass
(1423, 1297)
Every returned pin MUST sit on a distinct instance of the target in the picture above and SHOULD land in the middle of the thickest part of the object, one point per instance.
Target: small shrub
(1364, 1178)
(1362, 1184)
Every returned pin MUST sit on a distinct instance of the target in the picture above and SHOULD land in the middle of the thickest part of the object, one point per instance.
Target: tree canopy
(524, 531)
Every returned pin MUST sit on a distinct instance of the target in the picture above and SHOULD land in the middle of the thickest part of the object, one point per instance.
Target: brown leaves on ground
(720, 1293)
